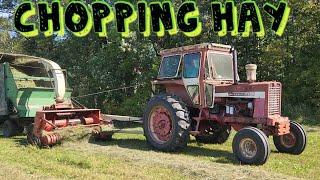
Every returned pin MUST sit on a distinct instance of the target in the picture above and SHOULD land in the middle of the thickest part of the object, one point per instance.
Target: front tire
(250, 146)
(166, 123)
(292, 143)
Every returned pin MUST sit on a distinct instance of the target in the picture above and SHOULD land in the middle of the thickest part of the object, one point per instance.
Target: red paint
(162, 124)
(53, 118)
(259, 108)
(51, 139)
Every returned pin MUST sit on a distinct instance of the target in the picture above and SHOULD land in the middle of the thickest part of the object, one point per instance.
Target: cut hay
(79, 133)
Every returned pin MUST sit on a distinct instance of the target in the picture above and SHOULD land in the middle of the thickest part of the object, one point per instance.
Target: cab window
(191, 65)
(169, 66)
(220, 66)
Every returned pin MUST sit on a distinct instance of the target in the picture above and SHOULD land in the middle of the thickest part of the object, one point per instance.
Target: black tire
(258, 141)
(31, 139)
(216, 134)
(297, 134)
(180, 123)
(10, 128)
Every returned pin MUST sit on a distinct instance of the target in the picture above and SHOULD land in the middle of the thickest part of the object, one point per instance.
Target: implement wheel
(31, 139)
(214, 133)
(166, 123)
(10, 128)
(292, 143)
(250, 146)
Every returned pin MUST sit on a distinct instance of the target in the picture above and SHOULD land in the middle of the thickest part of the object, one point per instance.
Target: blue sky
(4, 15)
(7, 15)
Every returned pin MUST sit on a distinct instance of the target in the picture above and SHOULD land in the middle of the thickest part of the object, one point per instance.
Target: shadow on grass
(22, 141)
(219, 156)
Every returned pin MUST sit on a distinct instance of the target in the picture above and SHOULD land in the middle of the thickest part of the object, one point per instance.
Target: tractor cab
(197, 69)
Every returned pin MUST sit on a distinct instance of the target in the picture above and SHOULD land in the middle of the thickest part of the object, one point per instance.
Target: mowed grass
(129, 157)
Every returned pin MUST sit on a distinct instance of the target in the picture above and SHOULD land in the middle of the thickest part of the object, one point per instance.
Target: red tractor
(198, 92)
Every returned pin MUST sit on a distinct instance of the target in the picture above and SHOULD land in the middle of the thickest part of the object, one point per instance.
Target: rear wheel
(294, 142)
(250, 146)
(213, 133)
(10, 128)
(166, 123)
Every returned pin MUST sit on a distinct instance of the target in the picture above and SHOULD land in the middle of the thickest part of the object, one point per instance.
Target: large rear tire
(166, 123)
(292, 143)
(214, 133)
(250, 146)
(10, 128)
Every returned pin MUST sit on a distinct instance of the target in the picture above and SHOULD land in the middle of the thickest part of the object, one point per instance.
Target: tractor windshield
(219, 66)
(169, 66)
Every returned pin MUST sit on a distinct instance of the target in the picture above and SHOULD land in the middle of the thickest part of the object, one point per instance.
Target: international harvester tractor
(198, 92)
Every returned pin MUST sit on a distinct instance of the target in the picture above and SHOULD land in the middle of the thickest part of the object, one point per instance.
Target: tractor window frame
(199, 65)
(177, 69)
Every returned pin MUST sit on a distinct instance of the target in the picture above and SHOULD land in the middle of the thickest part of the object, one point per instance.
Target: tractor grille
(274, 99)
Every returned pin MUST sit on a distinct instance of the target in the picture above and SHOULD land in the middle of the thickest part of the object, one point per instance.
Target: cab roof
(196, 47)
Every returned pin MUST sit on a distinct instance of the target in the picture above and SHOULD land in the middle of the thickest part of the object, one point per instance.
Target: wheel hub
(288, 140)
(248, 148)
(161, 124)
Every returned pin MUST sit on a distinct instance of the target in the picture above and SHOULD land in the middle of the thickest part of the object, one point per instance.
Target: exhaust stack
(251, 70)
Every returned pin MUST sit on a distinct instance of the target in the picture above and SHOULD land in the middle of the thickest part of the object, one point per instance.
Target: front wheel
(250, 146)
(292, 143)
(166, 123)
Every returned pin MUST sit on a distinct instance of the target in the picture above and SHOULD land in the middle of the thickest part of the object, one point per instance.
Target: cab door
(190, 75)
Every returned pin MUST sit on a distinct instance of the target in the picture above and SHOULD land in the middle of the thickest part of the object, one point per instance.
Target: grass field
(129, 157)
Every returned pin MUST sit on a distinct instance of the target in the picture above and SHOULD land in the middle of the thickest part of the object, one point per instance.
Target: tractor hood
(265, 94)
(245, 90)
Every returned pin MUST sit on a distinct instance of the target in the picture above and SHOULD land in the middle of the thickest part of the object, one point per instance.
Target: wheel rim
(288, 140)
(160, 124)
(248, 148)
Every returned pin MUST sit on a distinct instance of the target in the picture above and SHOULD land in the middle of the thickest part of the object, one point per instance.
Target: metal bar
(126, 131)
(123, 118)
